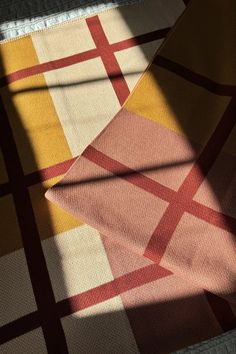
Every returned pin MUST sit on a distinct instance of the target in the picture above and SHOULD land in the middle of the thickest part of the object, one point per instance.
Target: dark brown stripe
(111, 289)
(210, 152)
(41, 175)
(197, 79)
(48, 172)
(87, 299)
(51, 325)
(142, 39)
(19, 327)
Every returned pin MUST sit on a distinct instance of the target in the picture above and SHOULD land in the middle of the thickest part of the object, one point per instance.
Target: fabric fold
(65, 287)
(160, 178)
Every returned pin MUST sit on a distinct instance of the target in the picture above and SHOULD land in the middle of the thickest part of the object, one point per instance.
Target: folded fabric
(64, 288)
(160, 179)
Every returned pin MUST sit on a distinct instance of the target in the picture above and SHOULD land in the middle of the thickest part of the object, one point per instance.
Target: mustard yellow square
(177, 104)
(50, 219)
(16, 55)
(37, 131)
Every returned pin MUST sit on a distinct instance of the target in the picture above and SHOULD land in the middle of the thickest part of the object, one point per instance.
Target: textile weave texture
(61, 287)
(20, 17)
(65, 288)
(160, 179)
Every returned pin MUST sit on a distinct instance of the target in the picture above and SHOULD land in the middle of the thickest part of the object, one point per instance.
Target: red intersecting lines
(41, 284)
(49, 312)
(170, 219)
(86, 299)
(81, 57)
(117, 82)
(109, 60)
(179, 201)
(47, 316)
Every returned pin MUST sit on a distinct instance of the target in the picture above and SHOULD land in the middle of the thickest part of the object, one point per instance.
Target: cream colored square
(63, 41)
(84, 100)
(16, 293)
(134, 61)
(76, 261)
(129, 21)
(29, 343)
(103, 328)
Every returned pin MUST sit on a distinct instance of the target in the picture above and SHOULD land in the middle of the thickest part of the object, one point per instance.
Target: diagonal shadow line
(194, 77)
(74, 83)
(125, 173)
(5, 188)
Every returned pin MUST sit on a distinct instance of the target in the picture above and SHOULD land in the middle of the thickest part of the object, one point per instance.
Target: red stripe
(41, 175)
(49, 172)
(163, 232)
(195, 78)
(105, 292)
(48, 66)
(197, 209)
(51, 325)
(118, 169)
(221, 220)
(111, 289)
(86, 299)
(79, 57)
(222, 311)
(201, 211)
(168, 223)
(129, 175)
(109, 60)
(162, 235)
(138, 40)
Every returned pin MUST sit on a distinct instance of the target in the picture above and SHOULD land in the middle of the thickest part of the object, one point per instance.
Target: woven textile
(64, 288)
(160, 179)
(20, 17)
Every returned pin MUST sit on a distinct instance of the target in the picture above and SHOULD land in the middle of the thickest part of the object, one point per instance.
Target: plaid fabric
(64, 288)
(160, 179)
